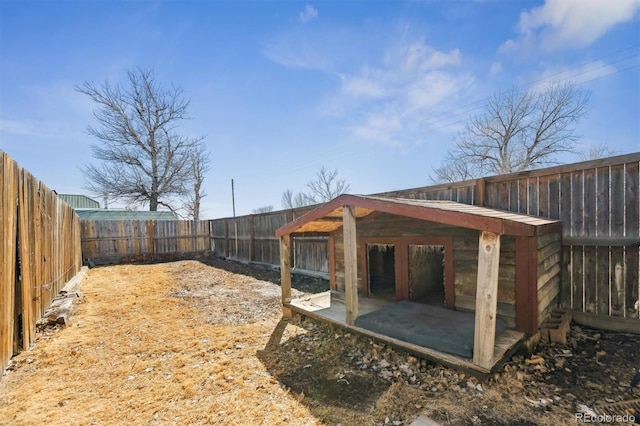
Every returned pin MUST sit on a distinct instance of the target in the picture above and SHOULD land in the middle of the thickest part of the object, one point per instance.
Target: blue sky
(376, 89)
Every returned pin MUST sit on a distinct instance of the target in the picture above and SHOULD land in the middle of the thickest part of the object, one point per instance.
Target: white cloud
(53, 112)
(569, 23)
(420, 57)
(379, 127)
(381, 96)
(21, 128)
(308, 14)
(362, 87)
(387, 103)
(298, 51)
(495, 69)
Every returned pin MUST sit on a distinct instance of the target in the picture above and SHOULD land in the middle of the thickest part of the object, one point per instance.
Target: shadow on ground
(307, 367)
(300, 282)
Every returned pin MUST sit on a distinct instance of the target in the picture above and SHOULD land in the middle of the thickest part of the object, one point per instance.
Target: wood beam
(526, 285)
(480, 192)
(285, 271)
(402, 270)
(350, 263)
(331, 245)
(486, 299)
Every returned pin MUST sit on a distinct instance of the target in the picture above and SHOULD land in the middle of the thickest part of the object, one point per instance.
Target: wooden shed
(458, 284)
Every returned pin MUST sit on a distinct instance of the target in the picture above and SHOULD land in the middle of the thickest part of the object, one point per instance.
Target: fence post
(151, 236)
(480, 193)
(226, 238)
(251, 239)
(292, 251)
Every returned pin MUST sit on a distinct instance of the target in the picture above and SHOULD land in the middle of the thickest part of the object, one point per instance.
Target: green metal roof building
(79, 201)
(102, 214)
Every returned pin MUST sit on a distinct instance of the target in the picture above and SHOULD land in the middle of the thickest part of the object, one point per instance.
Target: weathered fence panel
(40, 253)
(115, 241)
(266, 247)
(311, 254)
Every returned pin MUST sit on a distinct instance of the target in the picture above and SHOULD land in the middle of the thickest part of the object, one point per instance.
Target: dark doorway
(382, 270)
(426, 274)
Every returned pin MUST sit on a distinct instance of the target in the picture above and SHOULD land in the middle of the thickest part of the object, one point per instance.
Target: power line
(464, 109)
(442, 126)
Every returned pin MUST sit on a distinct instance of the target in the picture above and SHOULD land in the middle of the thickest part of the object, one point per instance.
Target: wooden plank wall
(549, 256)
(599, 204)
(40, 254)
(112, 241)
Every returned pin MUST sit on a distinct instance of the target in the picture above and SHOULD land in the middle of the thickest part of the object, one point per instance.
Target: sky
(377, 90)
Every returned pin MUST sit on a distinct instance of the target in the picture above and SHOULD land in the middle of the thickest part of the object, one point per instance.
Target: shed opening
(382, 270)
(426, 274)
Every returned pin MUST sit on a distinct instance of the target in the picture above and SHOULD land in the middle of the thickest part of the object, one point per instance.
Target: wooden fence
(40, 253)
(597, 201)
(116, 241)
(252, 238)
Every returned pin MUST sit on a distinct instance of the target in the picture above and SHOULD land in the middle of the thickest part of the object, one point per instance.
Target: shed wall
(465, 255)
(549, 273)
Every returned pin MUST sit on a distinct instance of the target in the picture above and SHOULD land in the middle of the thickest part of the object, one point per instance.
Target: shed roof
(328, 217)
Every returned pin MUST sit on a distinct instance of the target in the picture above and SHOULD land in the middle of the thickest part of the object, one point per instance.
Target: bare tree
(325, 187)
(291, 201)
(263, 209)
(143, 158)
(518, 131)
(452, 170)
(200, 165)
(596, 152)
(287, 199)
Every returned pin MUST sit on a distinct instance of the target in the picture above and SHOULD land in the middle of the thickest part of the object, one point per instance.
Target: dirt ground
(195, 342)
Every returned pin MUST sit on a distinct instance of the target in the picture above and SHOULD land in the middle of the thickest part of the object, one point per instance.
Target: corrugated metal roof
(79, 201)
(101, 214)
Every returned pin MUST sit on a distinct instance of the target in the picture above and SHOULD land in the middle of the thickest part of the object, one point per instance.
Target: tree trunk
(153, 203)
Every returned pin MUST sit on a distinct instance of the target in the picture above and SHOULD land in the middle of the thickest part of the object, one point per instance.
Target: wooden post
(285, 273)
(226, 238)
(486, 299)
(331, 244)
(402, 269)
(480, 193)
(235, 233)
(526, 285)
(350, 263)
(252, 255)
(151, 240)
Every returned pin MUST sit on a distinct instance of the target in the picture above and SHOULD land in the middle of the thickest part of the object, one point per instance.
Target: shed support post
(527, 285)
(350, 263)
(486, 299)
(285, 273)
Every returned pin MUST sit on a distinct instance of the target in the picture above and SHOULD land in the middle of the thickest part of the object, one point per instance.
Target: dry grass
(185, 343)
(137, 353)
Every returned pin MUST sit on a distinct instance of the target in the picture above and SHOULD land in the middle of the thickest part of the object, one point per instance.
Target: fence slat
(40, 252)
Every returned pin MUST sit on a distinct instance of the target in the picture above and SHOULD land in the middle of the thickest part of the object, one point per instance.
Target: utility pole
(233, 198)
